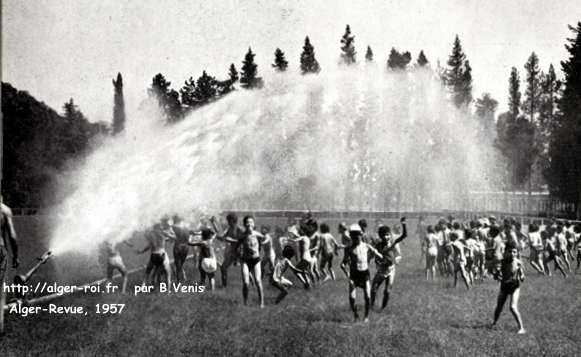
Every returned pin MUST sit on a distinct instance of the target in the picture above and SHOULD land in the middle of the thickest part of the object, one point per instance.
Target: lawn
(423, 318)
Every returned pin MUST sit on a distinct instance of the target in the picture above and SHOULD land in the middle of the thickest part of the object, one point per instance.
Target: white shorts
(433, 251)
(209, 265)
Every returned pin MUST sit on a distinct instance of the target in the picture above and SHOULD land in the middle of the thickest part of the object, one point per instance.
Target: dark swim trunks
(251, 262)
(509, 287)
(359, 278)
(158, 258)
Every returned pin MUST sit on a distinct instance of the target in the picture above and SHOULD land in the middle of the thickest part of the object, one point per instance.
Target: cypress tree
(369, 54)
(118, 105)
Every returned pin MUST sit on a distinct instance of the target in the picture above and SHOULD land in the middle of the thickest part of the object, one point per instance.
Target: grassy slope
(422, 319)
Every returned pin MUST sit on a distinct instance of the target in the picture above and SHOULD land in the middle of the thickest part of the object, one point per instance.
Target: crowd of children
(473, 251)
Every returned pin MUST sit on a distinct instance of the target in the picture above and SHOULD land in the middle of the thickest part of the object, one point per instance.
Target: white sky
(58, 49)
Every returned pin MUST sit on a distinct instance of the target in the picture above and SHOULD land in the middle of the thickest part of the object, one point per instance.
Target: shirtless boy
(329, 248)
(233, 232)
(282, 264)
(159, 260)
(181, 247)
(386, 265)
(356, 257)
(250, 240)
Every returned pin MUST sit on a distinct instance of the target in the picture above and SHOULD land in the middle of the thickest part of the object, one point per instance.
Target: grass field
(422, 319)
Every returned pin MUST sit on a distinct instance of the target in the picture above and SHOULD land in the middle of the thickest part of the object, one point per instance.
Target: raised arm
(404, 232)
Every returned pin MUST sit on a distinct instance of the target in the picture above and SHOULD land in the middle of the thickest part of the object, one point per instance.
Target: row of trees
(206, 89)
(539, 134)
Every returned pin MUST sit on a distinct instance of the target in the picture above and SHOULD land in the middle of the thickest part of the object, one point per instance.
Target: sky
(62, 49)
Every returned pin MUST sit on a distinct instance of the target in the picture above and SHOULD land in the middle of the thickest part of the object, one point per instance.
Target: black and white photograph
(290, 178)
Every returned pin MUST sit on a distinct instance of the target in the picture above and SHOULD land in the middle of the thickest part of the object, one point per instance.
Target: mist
(350, 138)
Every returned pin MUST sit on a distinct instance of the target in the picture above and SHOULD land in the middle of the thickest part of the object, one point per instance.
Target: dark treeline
(37, 145)
(539, 134)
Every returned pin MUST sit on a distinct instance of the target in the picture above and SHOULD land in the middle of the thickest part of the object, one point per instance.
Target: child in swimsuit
(511, 277)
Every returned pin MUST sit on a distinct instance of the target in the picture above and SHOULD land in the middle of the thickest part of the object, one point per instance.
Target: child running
(536, 248)
(386, 265)
(115, 262)
(208, 263)
(281, 265)
(181, 247)
(430, 245)
(511, 276)
(233, 232)
(250, 240)
(329, 248)
(159, 259)
(356, 256)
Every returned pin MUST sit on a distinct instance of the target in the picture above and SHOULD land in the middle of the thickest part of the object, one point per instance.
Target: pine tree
(348, 47)
(565, 149)
(369, 54)
(187, 93)
(75, 135)
(514, 94)
(168, 99)
(206, 88)
(233, 74)
(309, 63)
(118, 105)
(280, 63)
(422, 60)
(458, 76)
(248, 78)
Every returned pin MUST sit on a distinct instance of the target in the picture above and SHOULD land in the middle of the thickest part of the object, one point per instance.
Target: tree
(37, 144)
(422, 60)
(531, 105)
(458, 76)
(167, 98)
(398, 61)
(533, 89)
(280, 63)
(187, 93)
(485, 109)
(118, 105)
(348, 47)
(206, 89)
(369, 54)
(233, 73)
(309, 63)
(227, 86)
(550, 87)
(248, 78)
(515, 136)
(514, 94)
(565, 148)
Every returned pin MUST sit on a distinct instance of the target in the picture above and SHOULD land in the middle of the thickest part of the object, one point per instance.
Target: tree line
(539, 134)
